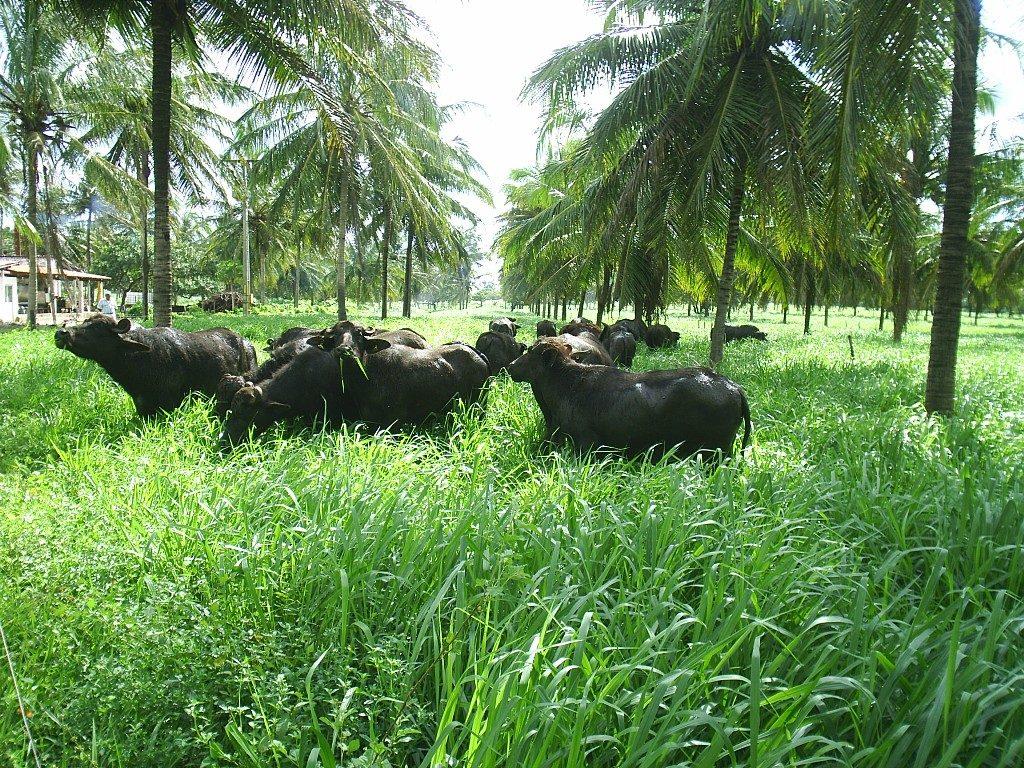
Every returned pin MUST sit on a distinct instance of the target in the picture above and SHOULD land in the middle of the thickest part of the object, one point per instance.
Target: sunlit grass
(848, 594)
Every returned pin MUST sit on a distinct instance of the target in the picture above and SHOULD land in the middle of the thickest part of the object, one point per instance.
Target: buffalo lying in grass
(742, 332)
(659, 336)
(688, 410)
(158, 367)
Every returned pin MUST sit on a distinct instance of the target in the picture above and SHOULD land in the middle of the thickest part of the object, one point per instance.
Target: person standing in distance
(106, 307)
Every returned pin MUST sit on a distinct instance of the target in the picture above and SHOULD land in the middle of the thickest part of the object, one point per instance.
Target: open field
(848, 594)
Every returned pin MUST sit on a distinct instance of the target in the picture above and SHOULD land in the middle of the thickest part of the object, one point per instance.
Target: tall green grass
(847, 594)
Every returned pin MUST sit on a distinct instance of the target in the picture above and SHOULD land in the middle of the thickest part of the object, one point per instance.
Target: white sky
(491, 47)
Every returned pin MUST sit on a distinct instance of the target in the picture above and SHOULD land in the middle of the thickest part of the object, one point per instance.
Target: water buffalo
(741, 332)
(690, 410)
(158, 367)
(499, 349)
(504, 325)
(659, 336)
(332, 337)
(586, 348)
(281, 356)
(393, 384)
(636, 327)
(546, 328)
(287, 337)
(621, 348)
(580, 325)
(308, 388)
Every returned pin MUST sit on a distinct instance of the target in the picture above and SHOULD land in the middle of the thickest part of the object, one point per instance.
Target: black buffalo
(621, 348)
(546, 328)
(578, 326)
(741, 332)
(659, 336)
(337, 334)
(281, 355)
(586, 348)
(504, 325)
(691, 410)
(391, 384)
(158, 367)
(499, 349)
(289, 336)
(307, 388)
(636, 327)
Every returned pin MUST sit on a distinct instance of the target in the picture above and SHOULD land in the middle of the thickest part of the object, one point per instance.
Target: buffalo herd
(349, 372)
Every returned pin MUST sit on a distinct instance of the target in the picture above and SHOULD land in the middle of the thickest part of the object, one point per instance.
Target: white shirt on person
(106, 307)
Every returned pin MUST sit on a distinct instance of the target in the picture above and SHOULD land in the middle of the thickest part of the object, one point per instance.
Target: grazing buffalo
(307, 388)
(337, 334)
(586, 349)
(659, 336)
(636, 327)
(291, 335)
(505, 325)
(580, 325)
(741, 332)
(499, 349)
(546, 328)
(158, 367)
(393, 384)
(691, 410)
(281, 355)
(621, 348)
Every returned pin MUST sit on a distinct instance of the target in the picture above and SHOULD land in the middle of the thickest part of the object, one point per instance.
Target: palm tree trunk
(163, 17)
(342, 236)
(33, 219)
(903, 253)
(728, 272)
(956, 216)
(88, 236)
(604, 292)
(881, 315)
(583, 301)
(808, 299)
(565, 307)
(407, 292)
(295, 287)
(385, 250)
(144, 220)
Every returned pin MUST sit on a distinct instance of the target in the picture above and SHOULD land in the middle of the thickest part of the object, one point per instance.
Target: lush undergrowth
(848, 594)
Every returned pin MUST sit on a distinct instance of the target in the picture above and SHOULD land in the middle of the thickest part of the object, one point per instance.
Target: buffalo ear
(376, 345)
(579, 357)
(123, 325)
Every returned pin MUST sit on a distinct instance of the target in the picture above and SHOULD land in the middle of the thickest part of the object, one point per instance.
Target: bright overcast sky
(490, 48)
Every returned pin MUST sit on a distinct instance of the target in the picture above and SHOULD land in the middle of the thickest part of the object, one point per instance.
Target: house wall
(8, 299)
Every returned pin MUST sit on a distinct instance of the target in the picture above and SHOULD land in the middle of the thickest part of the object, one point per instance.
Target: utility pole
(246, 271)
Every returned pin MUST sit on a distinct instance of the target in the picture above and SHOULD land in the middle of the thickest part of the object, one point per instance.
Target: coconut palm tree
(707, 120)
(32, 98)
(262, 38)
(112, 97)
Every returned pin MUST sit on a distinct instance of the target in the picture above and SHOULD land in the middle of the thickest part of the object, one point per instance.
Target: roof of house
(19, 268)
